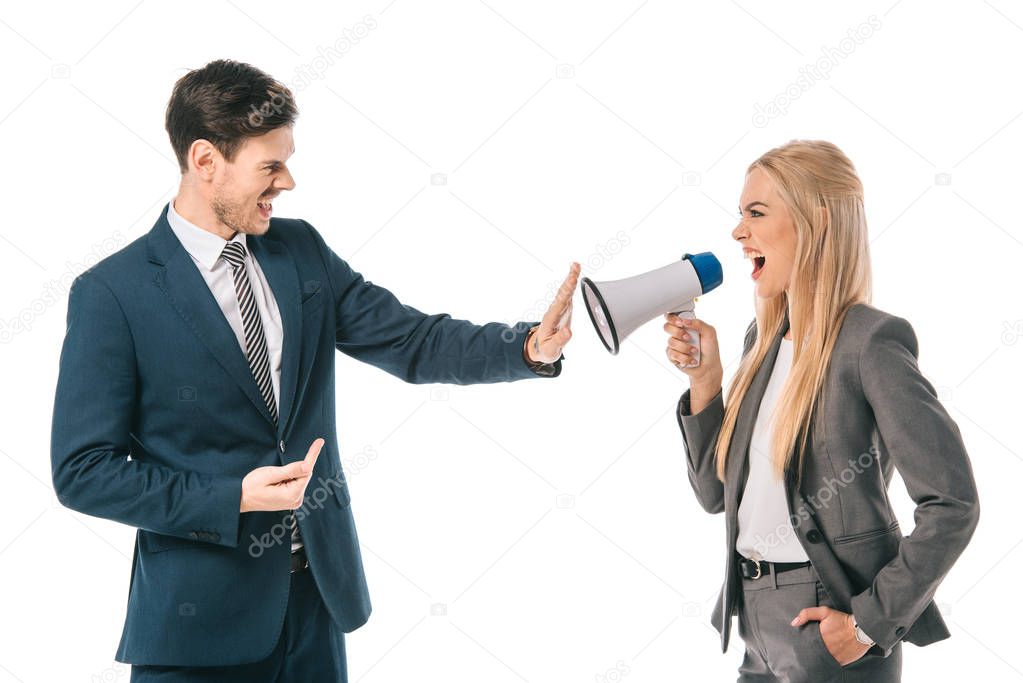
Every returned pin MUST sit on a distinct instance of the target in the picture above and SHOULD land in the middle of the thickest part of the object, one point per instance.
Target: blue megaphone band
(708, 269)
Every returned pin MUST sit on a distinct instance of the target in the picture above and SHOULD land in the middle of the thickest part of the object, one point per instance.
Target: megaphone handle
(694, 336)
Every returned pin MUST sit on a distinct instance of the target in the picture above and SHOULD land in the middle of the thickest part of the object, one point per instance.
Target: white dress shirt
(206, 248)
(765, 531)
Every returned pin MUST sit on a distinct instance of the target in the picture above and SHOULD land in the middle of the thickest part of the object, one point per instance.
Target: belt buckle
(759, 570)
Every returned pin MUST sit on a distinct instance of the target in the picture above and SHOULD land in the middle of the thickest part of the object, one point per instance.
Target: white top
(205, 248)
(765, 531)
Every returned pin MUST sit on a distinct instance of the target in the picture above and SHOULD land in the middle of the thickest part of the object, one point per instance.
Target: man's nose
(287, 181)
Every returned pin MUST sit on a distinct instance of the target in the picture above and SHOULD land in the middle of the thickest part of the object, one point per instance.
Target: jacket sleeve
(376, 328)
(90, 439)
(927, 449)
(700, 437)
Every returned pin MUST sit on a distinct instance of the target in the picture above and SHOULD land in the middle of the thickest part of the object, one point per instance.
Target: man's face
(244, 189)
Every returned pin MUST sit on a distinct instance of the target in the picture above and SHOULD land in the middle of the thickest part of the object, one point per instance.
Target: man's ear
(203, 159)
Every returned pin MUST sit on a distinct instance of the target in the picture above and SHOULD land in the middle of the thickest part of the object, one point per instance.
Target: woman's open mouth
(758, 266)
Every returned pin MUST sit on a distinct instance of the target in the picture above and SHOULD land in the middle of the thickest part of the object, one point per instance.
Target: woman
(826, 400)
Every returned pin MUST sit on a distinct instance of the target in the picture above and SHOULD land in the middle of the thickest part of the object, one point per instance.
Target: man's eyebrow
(752, 204)
(267, 162)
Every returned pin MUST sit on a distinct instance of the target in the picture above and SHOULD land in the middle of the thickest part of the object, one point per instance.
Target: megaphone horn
(618, 307)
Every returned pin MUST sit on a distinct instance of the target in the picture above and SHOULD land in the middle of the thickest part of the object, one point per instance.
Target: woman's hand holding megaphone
(681, 351)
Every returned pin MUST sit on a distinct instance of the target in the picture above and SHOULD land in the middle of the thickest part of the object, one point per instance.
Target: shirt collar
(204, 246)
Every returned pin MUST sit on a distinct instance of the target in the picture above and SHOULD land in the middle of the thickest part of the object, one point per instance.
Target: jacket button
(900, 630)
(281, 445)
(813, 536)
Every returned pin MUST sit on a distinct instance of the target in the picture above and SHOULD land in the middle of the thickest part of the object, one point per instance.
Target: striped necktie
(255, 345)
(255, 341)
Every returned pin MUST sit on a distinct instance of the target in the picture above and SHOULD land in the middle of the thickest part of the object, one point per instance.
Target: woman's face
(767, 234)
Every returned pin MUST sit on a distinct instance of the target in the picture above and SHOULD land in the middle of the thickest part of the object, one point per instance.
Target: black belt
(754, 569)
(298, 560)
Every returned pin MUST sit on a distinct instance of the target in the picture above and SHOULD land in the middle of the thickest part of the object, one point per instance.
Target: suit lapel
(279, 268)
(738, 454)
(189, 295)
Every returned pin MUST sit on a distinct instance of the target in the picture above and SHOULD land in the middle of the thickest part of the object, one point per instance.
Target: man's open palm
(556, 327)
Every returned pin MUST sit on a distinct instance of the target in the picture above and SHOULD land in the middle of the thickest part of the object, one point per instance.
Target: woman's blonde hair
(830, 274)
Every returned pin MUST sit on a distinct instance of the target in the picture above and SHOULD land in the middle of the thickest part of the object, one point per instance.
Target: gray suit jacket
(877, 411)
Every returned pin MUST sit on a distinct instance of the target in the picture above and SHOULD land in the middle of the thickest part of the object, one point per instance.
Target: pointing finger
(310, 457)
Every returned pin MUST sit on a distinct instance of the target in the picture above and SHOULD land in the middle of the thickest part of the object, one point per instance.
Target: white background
(462, 154)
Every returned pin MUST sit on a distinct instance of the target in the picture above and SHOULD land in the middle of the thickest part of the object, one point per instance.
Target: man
(196, 400)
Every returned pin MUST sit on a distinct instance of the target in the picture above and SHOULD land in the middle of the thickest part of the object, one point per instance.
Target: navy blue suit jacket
(157, 419)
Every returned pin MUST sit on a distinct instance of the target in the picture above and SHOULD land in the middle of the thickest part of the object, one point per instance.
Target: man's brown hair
(225, 102)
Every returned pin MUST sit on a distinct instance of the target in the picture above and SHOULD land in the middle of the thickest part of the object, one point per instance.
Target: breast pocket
(312, 297)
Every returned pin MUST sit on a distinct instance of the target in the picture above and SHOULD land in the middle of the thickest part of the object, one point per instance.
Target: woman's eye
(754, 213)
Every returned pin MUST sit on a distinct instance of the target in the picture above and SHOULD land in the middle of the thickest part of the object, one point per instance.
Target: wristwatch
(860, 635)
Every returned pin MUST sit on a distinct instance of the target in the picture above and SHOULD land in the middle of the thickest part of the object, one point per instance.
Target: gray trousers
(781, 653)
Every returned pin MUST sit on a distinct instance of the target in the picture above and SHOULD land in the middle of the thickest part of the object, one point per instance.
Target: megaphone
(618, 307)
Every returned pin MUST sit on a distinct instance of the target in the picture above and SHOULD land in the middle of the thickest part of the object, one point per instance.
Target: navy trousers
(311, 649)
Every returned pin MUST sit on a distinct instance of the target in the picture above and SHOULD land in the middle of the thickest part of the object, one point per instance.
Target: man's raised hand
(274, 488)
(555, 328)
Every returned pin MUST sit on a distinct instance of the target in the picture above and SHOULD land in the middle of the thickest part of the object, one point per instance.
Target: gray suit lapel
(738, 452)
